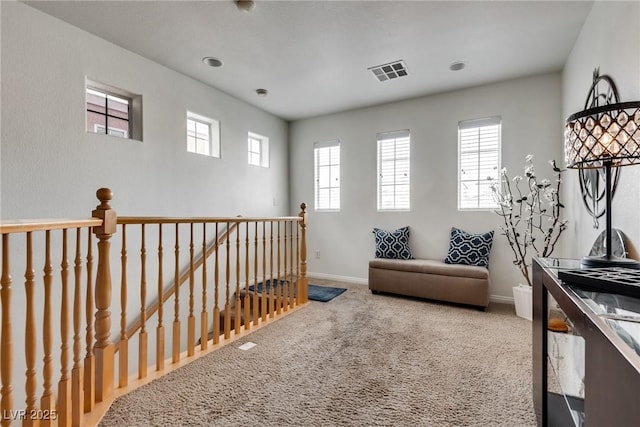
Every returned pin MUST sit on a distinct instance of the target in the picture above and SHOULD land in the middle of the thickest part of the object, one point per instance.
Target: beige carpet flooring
(358, 360)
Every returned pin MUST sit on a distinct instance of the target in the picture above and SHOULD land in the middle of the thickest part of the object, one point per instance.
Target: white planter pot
(522, 297)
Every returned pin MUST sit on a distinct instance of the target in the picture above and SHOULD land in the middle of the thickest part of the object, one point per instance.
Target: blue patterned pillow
(469, 249)
(393, 244)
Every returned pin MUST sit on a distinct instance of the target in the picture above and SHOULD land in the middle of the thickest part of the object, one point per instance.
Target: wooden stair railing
(184, 276)
(265, 250)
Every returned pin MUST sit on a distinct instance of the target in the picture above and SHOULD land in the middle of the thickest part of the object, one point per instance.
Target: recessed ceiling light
(457, 66)
(262, 92)
(245, 5)
(212, 62)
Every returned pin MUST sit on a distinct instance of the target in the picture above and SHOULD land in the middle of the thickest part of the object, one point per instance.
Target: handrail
(27, 225)
(170, 289)
(137, 220)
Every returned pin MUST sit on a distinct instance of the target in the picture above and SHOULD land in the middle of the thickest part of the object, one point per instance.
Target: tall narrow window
(479, 161)
(394, 170)
(327, 175)
(258, 150)
(203, 135)
(107, 113)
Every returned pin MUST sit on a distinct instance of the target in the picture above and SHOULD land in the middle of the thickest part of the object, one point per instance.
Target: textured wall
(49, 160)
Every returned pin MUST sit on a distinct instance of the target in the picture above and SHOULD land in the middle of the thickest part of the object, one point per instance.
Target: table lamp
(604, 136)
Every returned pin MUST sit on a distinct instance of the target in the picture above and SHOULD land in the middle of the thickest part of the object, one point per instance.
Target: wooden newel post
(104, 350)
(302, 280)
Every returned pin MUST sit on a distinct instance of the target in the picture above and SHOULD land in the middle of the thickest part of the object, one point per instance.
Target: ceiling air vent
(389, 71)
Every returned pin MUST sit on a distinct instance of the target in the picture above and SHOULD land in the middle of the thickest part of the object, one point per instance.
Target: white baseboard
(347, 279)
(501, 299)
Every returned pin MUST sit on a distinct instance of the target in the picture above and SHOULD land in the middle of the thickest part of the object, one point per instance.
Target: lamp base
(611, 261)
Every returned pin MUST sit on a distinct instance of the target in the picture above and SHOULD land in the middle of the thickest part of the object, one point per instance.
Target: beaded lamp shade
(608, 133)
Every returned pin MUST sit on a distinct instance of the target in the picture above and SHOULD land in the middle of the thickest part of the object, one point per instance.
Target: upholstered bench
(425, 278)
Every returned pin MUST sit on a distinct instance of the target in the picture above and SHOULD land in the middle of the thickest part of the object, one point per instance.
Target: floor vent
(247, 346)
(389, 71)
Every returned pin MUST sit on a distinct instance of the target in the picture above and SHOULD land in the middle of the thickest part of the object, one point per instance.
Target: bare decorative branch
(531, 215)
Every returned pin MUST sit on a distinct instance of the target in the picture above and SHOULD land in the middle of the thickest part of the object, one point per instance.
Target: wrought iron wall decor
(603, 91)
(604, 137)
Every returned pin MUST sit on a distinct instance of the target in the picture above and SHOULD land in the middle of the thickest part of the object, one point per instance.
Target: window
(112, 111)
(107, 113)
(393, 170)
(327, 175)
(203, 135)
(258, 150)
(478, 160)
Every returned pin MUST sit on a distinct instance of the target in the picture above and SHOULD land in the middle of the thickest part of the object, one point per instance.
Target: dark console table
(590, 375)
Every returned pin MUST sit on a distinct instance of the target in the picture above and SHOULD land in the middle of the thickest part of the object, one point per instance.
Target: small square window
(112, 111)
(107, 113)
(203, 135)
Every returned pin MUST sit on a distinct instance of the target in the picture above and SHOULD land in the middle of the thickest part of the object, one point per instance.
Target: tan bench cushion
(423, 278)
(430, 266)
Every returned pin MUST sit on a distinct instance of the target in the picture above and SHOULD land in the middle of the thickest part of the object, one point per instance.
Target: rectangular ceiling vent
(389, 71)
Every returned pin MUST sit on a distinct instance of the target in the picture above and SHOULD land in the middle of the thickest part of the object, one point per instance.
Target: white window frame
(480, 146)
(326, 160)
(134, 114)
(258, 150)
(212, 144)
(120, 133)
(394, 156)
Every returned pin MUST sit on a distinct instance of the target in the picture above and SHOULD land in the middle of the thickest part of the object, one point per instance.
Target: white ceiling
(313, 56)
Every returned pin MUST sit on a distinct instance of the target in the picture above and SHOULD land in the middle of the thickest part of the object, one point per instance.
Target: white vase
(522, 297)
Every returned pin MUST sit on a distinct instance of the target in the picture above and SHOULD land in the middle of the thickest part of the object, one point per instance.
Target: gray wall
(609, 39)
(52, 167)
(532, 124)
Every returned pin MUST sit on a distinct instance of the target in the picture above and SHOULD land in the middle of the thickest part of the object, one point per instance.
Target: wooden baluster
(216, 301)
(292, 298)
(263, 305)
(6, 344)
(227, 306)
(285, 297)
(271, 288)
(143, 338)
(160, 327)
(302, 280)
(89, 360)
(247, 303)
(176, 295)
(64, 385)
(77, 395)
(279, 282)
(123, 346)
(237, 302)
(191, 322)
(30, 336)
(256, 310)
(47, 401)
(297, 263)
(104, 350)
(204, 318)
